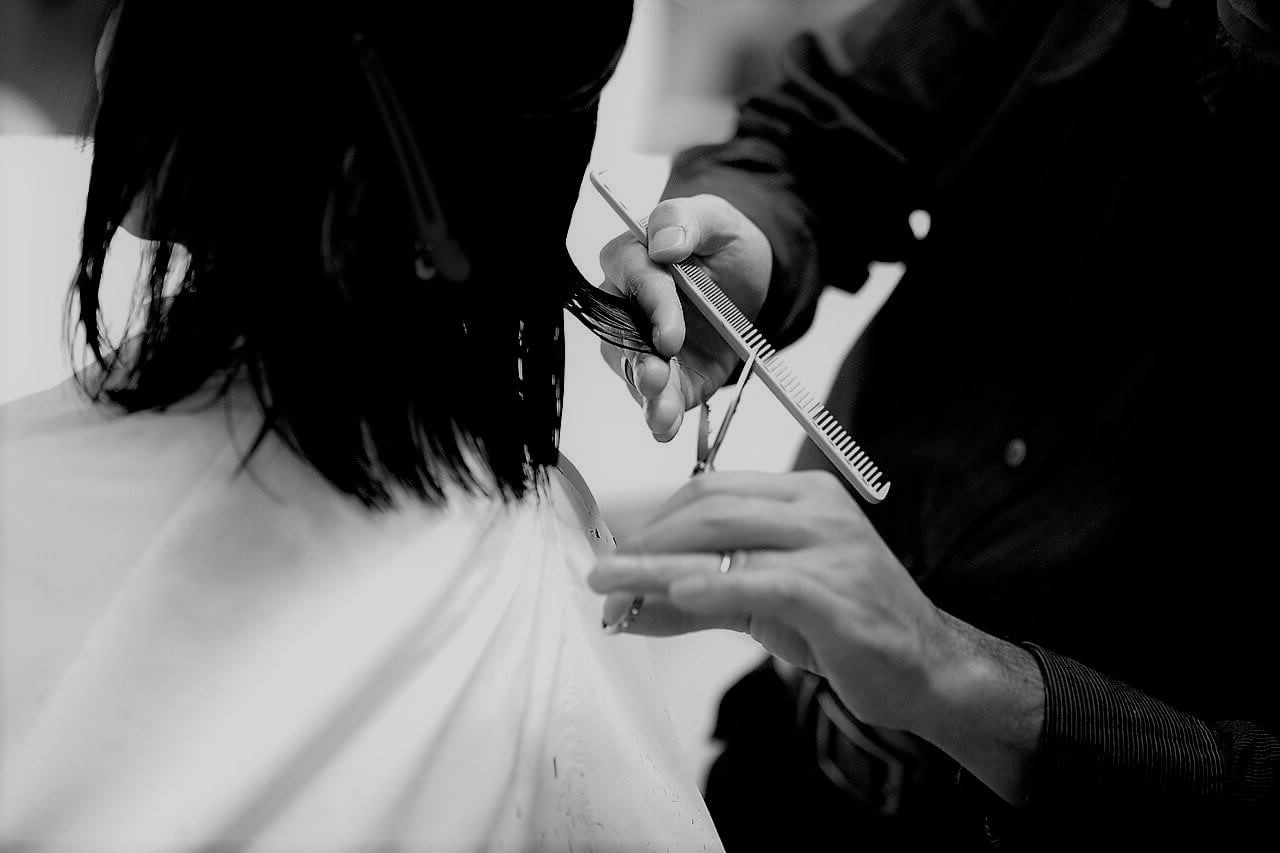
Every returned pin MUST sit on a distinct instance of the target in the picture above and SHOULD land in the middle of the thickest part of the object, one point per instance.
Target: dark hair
(285, 246)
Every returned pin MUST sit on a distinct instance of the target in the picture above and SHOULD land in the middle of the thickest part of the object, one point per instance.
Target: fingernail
(639, 372)
(671, 237)
(629, 371)
(657, 337)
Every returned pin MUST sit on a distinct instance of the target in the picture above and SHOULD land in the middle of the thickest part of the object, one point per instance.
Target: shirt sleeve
(1106, 743)
(1253, 23)
(831, 161)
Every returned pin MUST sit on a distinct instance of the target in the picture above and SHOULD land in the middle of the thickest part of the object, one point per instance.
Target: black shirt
(1069, 386)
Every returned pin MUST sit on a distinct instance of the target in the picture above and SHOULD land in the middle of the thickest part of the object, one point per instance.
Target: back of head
(248, 141)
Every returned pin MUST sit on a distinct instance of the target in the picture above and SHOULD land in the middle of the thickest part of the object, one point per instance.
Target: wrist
(957, 675)
(984, 706)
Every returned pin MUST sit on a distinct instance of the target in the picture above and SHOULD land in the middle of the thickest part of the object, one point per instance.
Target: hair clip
(437, 251)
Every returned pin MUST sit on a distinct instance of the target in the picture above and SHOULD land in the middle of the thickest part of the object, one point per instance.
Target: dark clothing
(1067, 388)
(1151, 751)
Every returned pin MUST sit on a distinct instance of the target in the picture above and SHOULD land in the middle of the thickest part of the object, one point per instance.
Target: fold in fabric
(196, 656)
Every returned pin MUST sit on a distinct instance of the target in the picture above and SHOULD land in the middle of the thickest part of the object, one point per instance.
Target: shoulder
(55, 409)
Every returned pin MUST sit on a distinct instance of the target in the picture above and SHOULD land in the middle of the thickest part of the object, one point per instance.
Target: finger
(615, 605)
(783, 640)
(618, 359)
(665, 413)
(789, 598)
(665, 407)
(642, 574)
(658, 617)
(687, 386)
(705, 371)
(652, 376)
(697, 225)
(627, 266)
(726, 522)
(785, 488)
(648, 373)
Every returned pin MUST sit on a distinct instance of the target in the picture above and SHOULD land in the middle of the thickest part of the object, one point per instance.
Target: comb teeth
(823, 427)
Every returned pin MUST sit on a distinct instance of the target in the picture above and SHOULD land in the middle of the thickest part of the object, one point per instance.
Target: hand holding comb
(818, 423)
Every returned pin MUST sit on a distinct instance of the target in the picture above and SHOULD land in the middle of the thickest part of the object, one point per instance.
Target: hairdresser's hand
(810, 580)
(738, 256)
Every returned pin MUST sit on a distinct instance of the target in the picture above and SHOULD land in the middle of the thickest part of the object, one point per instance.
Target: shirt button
(1015, 453)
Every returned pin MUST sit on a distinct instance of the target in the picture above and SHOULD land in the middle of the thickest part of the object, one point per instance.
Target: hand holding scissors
(707, 451)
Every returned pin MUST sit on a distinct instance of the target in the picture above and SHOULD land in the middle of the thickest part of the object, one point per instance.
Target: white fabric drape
(193, 655)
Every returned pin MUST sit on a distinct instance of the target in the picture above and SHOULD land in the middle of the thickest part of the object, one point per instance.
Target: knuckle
(640, 563)
(785, 591)
(721, 512)
(810, 527)
(623, 256)
(830, 518)
(611, 253)
(830, 560)
(669, 299)
(714, 204)
(647, 563)
(634, 281)
(618, 245)
(667, 211)
(823, 481)
(698, 488)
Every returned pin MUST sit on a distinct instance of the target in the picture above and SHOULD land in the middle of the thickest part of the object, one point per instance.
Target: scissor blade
(704, 433)
(733, 407)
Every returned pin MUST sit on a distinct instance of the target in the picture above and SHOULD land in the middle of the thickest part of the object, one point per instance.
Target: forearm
(1054, 737)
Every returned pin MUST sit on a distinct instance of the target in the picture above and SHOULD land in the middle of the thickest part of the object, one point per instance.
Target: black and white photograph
(639, 425)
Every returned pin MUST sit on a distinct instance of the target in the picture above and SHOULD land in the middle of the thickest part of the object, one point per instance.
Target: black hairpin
(612, 318)
(438, 252)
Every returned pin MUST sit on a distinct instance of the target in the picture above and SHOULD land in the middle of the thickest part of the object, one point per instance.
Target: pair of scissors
(707, 451)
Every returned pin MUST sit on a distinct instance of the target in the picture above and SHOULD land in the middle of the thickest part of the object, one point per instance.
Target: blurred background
(686, 65)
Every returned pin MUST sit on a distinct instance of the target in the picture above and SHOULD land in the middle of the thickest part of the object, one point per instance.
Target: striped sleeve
(1106, 745)
(1115, 765)
(1116, 740)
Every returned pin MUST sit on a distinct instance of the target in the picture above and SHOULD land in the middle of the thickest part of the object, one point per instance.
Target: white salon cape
(195, 656)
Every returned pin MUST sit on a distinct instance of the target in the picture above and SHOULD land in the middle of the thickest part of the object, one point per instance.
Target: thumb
(697, 225)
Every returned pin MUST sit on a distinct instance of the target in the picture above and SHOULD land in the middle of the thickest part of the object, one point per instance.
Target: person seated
(295, 561)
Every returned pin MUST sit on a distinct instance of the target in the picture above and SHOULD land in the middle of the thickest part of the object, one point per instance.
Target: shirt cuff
(1104, 741)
